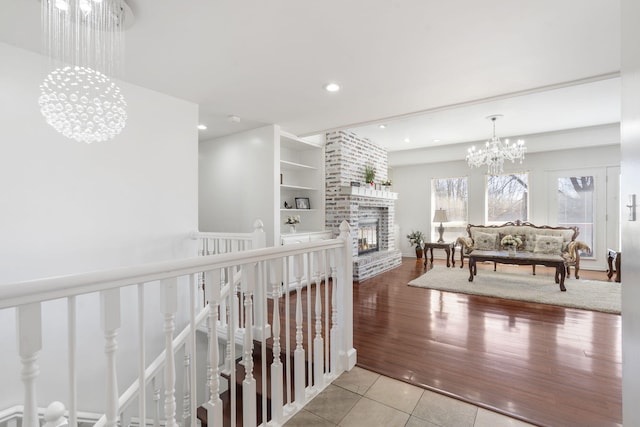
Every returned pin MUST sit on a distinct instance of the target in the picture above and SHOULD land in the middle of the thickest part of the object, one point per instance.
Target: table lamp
(440, 216)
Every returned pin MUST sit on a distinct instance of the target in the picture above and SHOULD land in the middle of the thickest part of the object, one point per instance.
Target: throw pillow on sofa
(548, 245)
(485, 241)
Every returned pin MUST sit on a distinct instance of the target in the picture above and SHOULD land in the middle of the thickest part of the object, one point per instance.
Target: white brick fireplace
(346, 156)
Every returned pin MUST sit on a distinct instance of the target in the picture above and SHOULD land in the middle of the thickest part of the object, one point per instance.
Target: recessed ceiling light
(332, 87)
(407, 140)
(233, 119)
(202, 127)
(436, 140)
(382, 126)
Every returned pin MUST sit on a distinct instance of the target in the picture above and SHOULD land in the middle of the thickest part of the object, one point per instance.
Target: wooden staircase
(259, 378)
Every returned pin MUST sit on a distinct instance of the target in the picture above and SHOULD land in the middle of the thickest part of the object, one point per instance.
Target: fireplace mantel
(369, 192)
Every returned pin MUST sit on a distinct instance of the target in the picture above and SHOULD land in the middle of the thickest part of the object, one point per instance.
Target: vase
(292, 228)
(511, 250)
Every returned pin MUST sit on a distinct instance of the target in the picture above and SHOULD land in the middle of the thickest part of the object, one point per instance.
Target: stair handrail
(41, 290)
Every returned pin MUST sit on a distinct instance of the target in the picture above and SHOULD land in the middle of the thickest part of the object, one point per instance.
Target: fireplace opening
(368, 236)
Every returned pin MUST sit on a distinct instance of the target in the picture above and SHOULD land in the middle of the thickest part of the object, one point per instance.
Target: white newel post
(318, 341)
(168, 307)
(348, 354)
(259, 237)
(277, 397)
(214, 406)
(29, 330)
(249, 409)
(298, 354)
(110, 311)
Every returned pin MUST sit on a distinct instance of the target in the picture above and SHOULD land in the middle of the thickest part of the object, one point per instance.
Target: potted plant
(369, 174)
(292, 220)
(416, 238)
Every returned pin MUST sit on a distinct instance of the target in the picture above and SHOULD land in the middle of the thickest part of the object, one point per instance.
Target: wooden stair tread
(257, 374)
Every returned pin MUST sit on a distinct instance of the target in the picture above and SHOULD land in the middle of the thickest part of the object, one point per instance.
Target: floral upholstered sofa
(533, 238)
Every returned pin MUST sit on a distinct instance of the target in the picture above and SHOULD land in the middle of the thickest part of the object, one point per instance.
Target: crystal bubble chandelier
(84, 40)
(496, 152)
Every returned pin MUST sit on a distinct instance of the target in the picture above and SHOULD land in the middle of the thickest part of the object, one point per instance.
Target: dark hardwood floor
(547, 365)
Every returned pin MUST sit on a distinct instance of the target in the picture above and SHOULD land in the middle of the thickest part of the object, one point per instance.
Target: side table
(449, 247)
(613, 257)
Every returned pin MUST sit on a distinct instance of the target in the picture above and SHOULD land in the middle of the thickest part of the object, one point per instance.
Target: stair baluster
(29, 330)
(249, 383)
(214, 406)
(71, 345)
(327, 315)
(186, 388)
(110, 311)
(334, 342)
(156, 402)
(142, 389)
(309, 320)
(275, 279)
(287, 325)
(231, 334)
(168, 307)
(298, 354)
(318, 341)
(193, 393)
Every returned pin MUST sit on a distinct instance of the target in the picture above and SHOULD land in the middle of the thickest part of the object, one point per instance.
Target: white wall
(237, 181)
(69, 207)
(413, 183)
(630, 168)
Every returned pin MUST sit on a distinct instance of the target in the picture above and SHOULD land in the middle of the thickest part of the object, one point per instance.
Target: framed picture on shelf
(302, 203)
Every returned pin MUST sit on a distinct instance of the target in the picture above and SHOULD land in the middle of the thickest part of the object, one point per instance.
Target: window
(508, 198)
(450, 194)
(576, 205)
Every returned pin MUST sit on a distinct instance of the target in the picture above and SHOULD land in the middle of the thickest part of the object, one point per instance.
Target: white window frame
(450, 224)
(598, 251)
(486, 198)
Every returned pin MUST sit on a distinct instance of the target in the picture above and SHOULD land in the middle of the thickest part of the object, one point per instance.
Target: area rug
(519, 284)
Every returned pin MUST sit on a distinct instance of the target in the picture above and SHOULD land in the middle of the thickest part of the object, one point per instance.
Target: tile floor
(364, 398)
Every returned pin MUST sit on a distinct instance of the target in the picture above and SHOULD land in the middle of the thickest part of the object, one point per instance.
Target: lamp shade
(440, 216)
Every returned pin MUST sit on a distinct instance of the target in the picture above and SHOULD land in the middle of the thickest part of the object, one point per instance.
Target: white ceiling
(445, 65)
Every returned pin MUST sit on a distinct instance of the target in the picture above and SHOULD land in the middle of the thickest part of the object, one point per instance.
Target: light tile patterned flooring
(364, 398)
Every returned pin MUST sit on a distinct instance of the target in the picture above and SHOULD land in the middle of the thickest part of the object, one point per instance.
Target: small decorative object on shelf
(302, 203)
(386, 185)
(287, 205)
(511, 243)
(369, 174)
(292, 220)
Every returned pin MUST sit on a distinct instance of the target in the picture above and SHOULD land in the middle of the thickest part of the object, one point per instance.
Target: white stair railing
(214, 243)
(262, 273)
